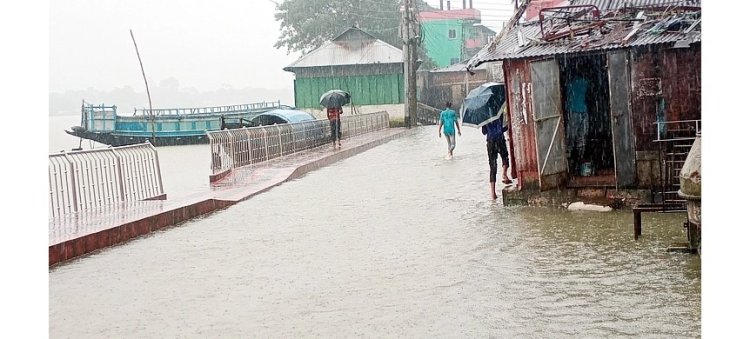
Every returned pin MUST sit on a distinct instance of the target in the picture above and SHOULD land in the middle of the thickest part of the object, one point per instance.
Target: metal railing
(215, 109)
(677, 130)
(83, 180)
(427, 115)
(239, 147)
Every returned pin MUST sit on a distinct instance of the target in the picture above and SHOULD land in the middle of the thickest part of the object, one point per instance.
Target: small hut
(370, 69)
(602, 94)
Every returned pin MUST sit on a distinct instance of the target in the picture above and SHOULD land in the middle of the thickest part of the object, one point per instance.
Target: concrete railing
(239, 147)
(88, 179)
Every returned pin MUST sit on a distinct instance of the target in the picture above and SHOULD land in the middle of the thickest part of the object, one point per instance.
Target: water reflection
(395, 241)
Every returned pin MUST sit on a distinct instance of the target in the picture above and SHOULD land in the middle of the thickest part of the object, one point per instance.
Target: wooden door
(550, 133)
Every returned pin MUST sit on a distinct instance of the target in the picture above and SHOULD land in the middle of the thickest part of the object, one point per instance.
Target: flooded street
(393, 242)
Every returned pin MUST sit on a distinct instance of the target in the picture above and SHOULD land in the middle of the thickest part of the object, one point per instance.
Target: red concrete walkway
(77, 234)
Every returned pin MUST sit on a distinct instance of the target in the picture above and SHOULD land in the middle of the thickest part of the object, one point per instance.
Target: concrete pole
(405, 36)
(413, 63)
(410, 63)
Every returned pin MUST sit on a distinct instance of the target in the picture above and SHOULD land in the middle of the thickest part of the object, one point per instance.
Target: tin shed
(591, 87)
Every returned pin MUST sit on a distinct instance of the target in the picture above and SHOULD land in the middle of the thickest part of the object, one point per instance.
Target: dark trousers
(495, 146)
(335, 129)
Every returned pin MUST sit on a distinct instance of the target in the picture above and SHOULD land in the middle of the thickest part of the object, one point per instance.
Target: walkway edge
(77, 247)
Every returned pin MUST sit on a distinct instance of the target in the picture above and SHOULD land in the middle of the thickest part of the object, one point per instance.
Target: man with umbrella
(333, 100)
(485, 107)
(496, 144)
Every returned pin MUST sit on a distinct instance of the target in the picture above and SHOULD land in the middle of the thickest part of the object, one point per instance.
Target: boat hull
(114, 139)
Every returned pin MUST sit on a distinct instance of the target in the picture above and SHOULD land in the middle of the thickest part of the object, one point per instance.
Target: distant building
(452, 36)
(435, 87)
(535, 6)
(370, 69)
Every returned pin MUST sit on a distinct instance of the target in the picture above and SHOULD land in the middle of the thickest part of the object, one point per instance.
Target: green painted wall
(440, 47)
(378, 89)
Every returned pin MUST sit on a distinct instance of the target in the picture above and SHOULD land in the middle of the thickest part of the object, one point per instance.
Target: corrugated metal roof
(534, 46)
(460, 67)
(615, 4)
(340, 52)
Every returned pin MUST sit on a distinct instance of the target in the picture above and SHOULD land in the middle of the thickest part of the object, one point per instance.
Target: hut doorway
(585, 97)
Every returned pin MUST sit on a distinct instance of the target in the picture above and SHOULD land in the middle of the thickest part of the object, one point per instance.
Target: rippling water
(393, 242)
(185, 169)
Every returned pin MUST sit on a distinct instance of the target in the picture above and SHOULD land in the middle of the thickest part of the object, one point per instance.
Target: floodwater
(392, 242)
(185, 169)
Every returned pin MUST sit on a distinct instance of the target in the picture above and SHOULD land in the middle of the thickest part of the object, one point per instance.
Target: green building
(370, 69)
(453, 36)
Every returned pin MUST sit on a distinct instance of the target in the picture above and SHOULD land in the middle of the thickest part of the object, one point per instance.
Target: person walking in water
(496, 145)
(449, 119)
(334, 118)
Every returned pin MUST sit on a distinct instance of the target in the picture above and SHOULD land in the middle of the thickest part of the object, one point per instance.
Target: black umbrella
(482, 105)
(334, 98)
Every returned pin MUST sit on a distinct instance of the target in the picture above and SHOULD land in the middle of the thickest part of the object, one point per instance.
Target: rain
(300, 146)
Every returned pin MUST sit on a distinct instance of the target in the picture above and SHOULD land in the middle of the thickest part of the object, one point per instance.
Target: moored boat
(163, 126)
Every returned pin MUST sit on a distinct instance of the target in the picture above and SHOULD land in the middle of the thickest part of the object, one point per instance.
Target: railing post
(265, 138)
(120, 179)
(158, 168)
(74, 190)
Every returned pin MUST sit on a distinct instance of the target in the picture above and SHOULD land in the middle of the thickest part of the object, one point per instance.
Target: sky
(206, 45)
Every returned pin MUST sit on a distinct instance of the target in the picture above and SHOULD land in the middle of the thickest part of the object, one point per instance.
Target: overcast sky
(202, 44)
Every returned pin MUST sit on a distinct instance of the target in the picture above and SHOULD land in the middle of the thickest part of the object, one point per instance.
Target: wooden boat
(163, 126)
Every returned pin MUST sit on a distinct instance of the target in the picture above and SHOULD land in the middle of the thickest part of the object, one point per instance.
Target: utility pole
(408, 33)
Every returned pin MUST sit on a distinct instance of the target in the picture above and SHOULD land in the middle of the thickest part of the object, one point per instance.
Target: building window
(451, 34)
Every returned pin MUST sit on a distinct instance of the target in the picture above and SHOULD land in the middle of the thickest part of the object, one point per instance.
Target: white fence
(239, 147)
(88, 179)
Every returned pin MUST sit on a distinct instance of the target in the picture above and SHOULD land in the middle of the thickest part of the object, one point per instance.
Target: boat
(163, 126)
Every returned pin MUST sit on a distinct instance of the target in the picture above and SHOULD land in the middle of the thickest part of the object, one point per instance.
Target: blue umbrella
(482, 105)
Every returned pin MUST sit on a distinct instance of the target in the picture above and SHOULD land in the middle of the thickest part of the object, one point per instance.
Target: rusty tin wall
(656, 72)
(522, 129)
(671, 74)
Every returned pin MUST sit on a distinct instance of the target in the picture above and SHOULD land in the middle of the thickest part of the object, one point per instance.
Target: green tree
(307, 24)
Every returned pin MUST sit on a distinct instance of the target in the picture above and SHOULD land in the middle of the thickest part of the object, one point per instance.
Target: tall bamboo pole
(150, 109)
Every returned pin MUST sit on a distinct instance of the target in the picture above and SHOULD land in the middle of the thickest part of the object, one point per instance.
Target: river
(392, 242)
(185, 169)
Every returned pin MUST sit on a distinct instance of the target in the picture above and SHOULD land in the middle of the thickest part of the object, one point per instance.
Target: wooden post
(636, 223)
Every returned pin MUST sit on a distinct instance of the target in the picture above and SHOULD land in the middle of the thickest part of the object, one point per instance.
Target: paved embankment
(77, 234)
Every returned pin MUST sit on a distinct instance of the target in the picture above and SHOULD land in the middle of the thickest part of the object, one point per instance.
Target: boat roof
(290, 115)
